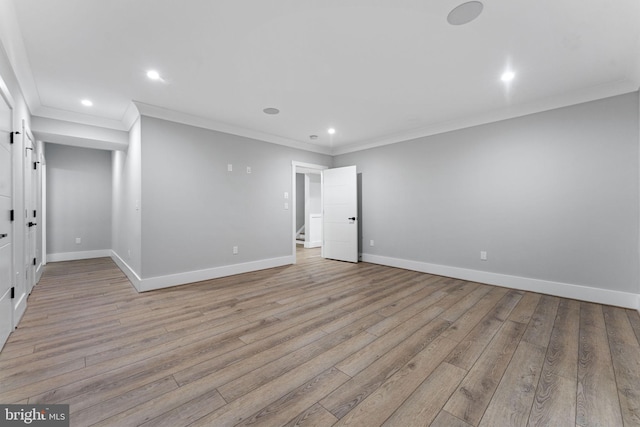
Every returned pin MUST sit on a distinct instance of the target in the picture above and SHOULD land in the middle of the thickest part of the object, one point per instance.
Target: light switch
(286, 205)
(248, 169)
(286, 195)
(229, 167)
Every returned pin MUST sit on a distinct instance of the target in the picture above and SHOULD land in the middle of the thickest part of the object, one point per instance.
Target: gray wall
(78, 199)
(550, 196)
(300, 196)
(127, 222)
(314, 198)
(194, 211)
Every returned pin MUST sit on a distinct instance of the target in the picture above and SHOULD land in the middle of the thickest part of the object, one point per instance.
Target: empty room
(320, 213)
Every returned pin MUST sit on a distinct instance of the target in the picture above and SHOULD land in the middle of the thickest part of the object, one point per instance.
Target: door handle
(353, 218)
(31, 224)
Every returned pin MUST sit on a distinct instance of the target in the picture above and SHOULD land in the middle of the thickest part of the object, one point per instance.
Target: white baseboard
(20, 308)
(39, 271)
(565, 290)
(315, 244)
(160, 282)
(72, 256)
(127, 270)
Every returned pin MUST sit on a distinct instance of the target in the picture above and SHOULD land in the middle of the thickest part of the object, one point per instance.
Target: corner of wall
(135, 280)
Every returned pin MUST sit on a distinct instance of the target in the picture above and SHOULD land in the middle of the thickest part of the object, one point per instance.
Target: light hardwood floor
(320, 343)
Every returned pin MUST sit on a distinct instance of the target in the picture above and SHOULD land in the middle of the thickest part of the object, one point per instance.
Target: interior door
(340, 214)
(6, 231)
(30, 220)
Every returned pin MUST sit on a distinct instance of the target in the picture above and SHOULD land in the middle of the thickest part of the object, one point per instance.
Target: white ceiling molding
(72, 116)
(130, 116)
(201, 122)
(68, 133)
(590, 94)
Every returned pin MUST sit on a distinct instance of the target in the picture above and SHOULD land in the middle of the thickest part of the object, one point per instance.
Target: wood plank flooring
(321, 343)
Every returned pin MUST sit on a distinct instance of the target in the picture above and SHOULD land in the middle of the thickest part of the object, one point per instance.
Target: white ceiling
(378, 71)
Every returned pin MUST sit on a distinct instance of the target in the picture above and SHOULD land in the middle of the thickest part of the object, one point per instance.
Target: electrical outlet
(483, 255)
(78, 240)
(248, 169)
(229, 167)
(286, 205)
(371, 243)
(235, 250)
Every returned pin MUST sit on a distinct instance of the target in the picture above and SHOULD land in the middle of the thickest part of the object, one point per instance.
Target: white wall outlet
(286, 206)
(235, 250)
(371, 243)
(483, 255)
(78, 240)
(248, 169)
(286, 195)
(229, 167)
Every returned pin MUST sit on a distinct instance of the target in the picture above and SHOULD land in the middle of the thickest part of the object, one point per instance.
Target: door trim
(295, 166)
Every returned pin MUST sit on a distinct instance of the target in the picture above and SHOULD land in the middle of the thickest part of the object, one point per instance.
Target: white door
(340, 218)
(30, 221)
(6, 237)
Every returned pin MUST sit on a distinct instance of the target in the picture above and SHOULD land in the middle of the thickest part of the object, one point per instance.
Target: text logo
(34, 415)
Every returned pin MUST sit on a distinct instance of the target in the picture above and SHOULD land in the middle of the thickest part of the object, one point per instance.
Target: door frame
(298, 167)
(5, 95)
(28, 187)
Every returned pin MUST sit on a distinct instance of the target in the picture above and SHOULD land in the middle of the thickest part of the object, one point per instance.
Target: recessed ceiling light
(465, 13)
(507, 76)
(153, 75)
(331, 131)
(271, 110)
(86, 103)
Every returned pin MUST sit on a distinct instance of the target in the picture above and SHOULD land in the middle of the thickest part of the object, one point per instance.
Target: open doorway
(306, 205)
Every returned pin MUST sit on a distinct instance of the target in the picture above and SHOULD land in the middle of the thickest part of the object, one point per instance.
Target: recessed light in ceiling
(465, 13)
(331, 131)
(153, 75)
(86, 103)
(507, 76)
(271, 110)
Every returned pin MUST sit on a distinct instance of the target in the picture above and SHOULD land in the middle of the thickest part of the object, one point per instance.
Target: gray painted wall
(127, 183)
(78, 199)
(314, 198)
(552, 196)
(194, 211)
(300, 198)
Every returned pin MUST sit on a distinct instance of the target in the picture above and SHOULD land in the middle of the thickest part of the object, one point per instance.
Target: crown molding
(201, 122)
(594, 93)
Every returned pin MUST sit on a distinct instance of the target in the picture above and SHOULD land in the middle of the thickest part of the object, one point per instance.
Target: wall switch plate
(248, 169)
(229, 167)
(286, 205)
(371, 243)
(78, 240)
(286, 195)
(483, 255)
(235, 250)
